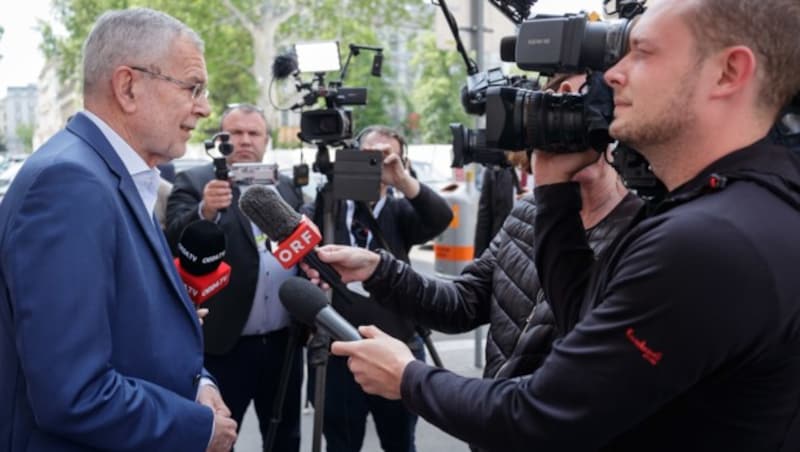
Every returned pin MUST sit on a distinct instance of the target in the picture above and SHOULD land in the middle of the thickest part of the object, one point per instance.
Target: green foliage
(230, 53)
(436, 96)
(25, 135)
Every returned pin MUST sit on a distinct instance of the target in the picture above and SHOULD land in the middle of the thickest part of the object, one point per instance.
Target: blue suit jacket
(100, 347)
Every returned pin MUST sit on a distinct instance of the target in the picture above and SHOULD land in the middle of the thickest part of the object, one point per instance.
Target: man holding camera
(397, 223)
(247, 329)
(684, 337)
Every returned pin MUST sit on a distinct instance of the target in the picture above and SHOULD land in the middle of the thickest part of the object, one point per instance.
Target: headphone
(387, 132)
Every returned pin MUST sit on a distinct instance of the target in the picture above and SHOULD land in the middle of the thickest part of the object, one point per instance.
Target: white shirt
(145, 178)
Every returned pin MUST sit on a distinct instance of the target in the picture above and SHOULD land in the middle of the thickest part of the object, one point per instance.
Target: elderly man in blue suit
(100, 346)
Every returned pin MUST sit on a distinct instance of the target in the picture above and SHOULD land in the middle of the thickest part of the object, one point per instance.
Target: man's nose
(202, 107)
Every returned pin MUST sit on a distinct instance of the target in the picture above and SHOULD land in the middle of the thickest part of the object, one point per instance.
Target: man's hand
(210, 397)
(224, 426)
(353, 264)
(217, 194)
(201, 313)
(550, 168)
(377, 362)
(395, 174)
(224, 434)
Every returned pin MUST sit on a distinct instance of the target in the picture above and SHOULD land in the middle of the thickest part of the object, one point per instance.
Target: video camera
(355, 174)
(332, 125)
(244, 173)
(523, 119)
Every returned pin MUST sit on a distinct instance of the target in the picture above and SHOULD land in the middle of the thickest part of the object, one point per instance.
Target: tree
(25, 135)
(242, 37)
(437, 96)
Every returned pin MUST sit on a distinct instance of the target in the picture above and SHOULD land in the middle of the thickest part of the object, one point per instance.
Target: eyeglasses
(198, 90)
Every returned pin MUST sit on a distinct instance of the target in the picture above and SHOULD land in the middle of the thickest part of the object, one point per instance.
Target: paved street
(457, 353)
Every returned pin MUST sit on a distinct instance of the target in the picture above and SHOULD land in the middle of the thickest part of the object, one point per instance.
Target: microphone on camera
(309, 305)
(296, 235)
(201, 248)
(377, 64)
(284, 65)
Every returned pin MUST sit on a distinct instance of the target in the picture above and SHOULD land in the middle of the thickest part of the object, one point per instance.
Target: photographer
(419, 216)
(686, 337)
(247, 329)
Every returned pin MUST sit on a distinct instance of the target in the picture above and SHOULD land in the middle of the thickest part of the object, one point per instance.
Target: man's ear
(122, 87)
(736, 70)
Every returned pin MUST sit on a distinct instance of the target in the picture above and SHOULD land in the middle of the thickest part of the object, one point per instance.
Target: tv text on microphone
(201, 248)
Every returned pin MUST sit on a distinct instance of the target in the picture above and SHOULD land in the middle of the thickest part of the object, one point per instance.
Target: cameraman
(417, 217)
(247, 329)
(685, 337)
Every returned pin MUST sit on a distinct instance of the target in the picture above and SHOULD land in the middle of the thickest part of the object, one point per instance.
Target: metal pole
(477, 28)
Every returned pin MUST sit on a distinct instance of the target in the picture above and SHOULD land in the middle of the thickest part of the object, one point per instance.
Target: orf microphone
(309, 305)
(295, 234)
(201, 248)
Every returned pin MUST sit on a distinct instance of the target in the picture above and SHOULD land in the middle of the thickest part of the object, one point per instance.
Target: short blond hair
(768, 27)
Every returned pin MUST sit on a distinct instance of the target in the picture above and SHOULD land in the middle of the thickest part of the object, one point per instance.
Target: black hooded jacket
(685, 337)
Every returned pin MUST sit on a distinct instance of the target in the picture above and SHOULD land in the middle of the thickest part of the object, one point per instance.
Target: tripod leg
(318, 359)
(425, 334)
(277, 405)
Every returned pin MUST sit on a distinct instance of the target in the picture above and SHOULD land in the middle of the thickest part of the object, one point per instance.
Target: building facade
(18, 112)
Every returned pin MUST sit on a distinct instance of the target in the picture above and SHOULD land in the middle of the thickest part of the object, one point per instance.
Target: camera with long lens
(519, 118)
(243, 173)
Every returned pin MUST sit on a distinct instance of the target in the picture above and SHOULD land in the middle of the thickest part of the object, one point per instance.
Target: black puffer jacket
(500, 288)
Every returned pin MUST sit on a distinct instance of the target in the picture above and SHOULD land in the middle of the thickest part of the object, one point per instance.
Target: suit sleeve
(61, 273)
(428, 217)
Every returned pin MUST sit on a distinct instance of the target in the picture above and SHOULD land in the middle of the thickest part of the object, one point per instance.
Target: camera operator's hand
(395, 174)
(551, 168)
(352, 264)
(217, 194)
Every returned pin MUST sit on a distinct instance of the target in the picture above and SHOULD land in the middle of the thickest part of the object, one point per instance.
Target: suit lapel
(88, 131)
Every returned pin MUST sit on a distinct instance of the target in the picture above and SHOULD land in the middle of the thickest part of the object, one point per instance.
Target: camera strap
(372, 224)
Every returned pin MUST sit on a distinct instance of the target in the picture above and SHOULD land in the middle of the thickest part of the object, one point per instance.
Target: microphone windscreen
(266, 208)
(302, 299)
(508, 49)
(284, 65)
(201, 247)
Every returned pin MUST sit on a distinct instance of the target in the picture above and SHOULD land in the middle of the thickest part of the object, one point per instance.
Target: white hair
(137, 36)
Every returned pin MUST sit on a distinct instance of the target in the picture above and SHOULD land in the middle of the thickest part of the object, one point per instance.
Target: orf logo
(290, 251)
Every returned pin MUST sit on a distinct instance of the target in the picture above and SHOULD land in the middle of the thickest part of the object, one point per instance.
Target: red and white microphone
(296, 235)
(201, 249)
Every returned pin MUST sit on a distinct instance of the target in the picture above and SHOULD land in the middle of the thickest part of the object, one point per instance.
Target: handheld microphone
(309, 305)
(295, 234)
(201, 248)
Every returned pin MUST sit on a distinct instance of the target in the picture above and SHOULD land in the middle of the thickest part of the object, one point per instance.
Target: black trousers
(251, 371)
